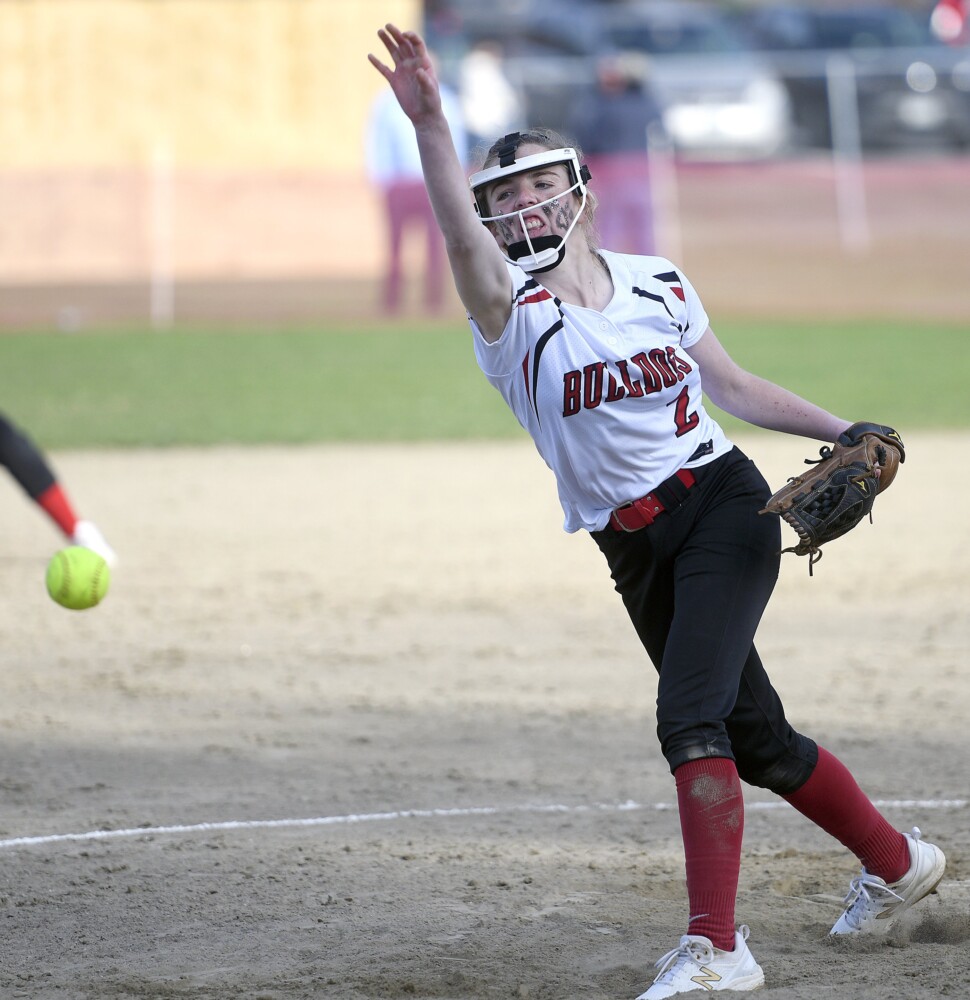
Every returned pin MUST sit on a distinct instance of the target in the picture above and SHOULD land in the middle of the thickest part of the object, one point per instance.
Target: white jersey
(611, 399)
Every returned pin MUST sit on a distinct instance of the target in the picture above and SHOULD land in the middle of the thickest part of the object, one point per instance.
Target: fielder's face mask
(544, 252)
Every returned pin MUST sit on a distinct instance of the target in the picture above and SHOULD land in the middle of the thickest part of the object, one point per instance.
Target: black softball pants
(695, 584)
(23, 459)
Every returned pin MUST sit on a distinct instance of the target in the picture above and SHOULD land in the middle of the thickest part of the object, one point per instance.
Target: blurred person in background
(612, 125)
(490, 103)
(29, 467)
(394, 167)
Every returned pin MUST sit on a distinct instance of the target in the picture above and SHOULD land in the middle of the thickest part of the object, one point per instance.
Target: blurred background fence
(188, 161)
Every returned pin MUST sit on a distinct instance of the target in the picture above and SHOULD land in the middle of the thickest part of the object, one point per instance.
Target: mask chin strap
(544, 252)
(531, 255)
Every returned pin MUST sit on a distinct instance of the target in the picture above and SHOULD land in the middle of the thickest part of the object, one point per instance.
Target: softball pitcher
(605, 360)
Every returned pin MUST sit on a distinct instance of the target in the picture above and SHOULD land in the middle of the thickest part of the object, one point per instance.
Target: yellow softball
(77, 578)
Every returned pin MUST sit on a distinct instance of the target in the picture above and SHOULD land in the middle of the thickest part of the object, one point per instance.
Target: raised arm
(480, 273)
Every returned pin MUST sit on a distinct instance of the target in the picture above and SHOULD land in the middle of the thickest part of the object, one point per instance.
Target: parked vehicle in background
(549, 51)
(719, 98)
(912, 89)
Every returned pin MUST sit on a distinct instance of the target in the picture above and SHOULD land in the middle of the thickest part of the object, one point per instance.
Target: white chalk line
(405, 814)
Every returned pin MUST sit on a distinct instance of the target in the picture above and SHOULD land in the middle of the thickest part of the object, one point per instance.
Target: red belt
(643, 512)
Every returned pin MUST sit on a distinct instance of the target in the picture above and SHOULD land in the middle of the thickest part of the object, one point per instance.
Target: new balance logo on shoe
(707, 978)
(696, 965)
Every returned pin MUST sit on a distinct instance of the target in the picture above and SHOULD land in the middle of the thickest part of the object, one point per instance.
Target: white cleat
(696, 965)
(88, 536)
(873, 906)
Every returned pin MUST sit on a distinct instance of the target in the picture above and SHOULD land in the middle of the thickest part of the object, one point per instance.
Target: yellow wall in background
(243, 83)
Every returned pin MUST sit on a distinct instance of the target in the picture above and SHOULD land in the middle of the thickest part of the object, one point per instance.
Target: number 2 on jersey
(685, 421)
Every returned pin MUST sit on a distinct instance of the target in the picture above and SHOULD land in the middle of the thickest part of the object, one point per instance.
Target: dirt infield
(364, 722)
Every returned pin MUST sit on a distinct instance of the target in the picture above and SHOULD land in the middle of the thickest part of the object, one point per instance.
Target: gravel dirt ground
(363, 722)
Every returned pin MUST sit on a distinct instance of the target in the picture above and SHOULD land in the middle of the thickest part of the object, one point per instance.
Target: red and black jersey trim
(524, 299)
(676, 285)
(530, 363)
(673, 279)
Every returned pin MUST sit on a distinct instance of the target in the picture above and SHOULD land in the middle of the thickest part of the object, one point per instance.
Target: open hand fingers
(396, 45)
(400, 44)
(379, 66)
(411, 76)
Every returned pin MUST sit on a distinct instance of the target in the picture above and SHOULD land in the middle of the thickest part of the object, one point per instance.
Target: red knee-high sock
(832, 800)
(712, 824)
(54, 501)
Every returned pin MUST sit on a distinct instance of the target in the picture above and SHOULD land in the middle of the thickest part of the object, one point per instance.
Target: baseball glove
(839, 491)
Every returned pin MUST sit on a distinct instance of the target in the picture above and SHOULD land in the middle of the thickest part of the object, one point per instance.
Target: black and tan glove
(835, 495)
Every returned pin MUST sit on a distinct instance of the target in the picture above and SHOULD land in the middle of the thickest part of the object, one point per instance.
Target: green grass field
(205, 387)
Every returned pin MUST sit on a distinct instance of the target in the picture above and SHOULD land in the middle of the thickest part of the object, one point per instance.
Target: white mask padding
(540, 258)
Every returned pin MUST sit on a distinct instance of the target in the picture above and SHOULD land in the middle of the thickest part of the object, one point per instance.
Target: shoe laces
(867, 892)
(690, 949)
